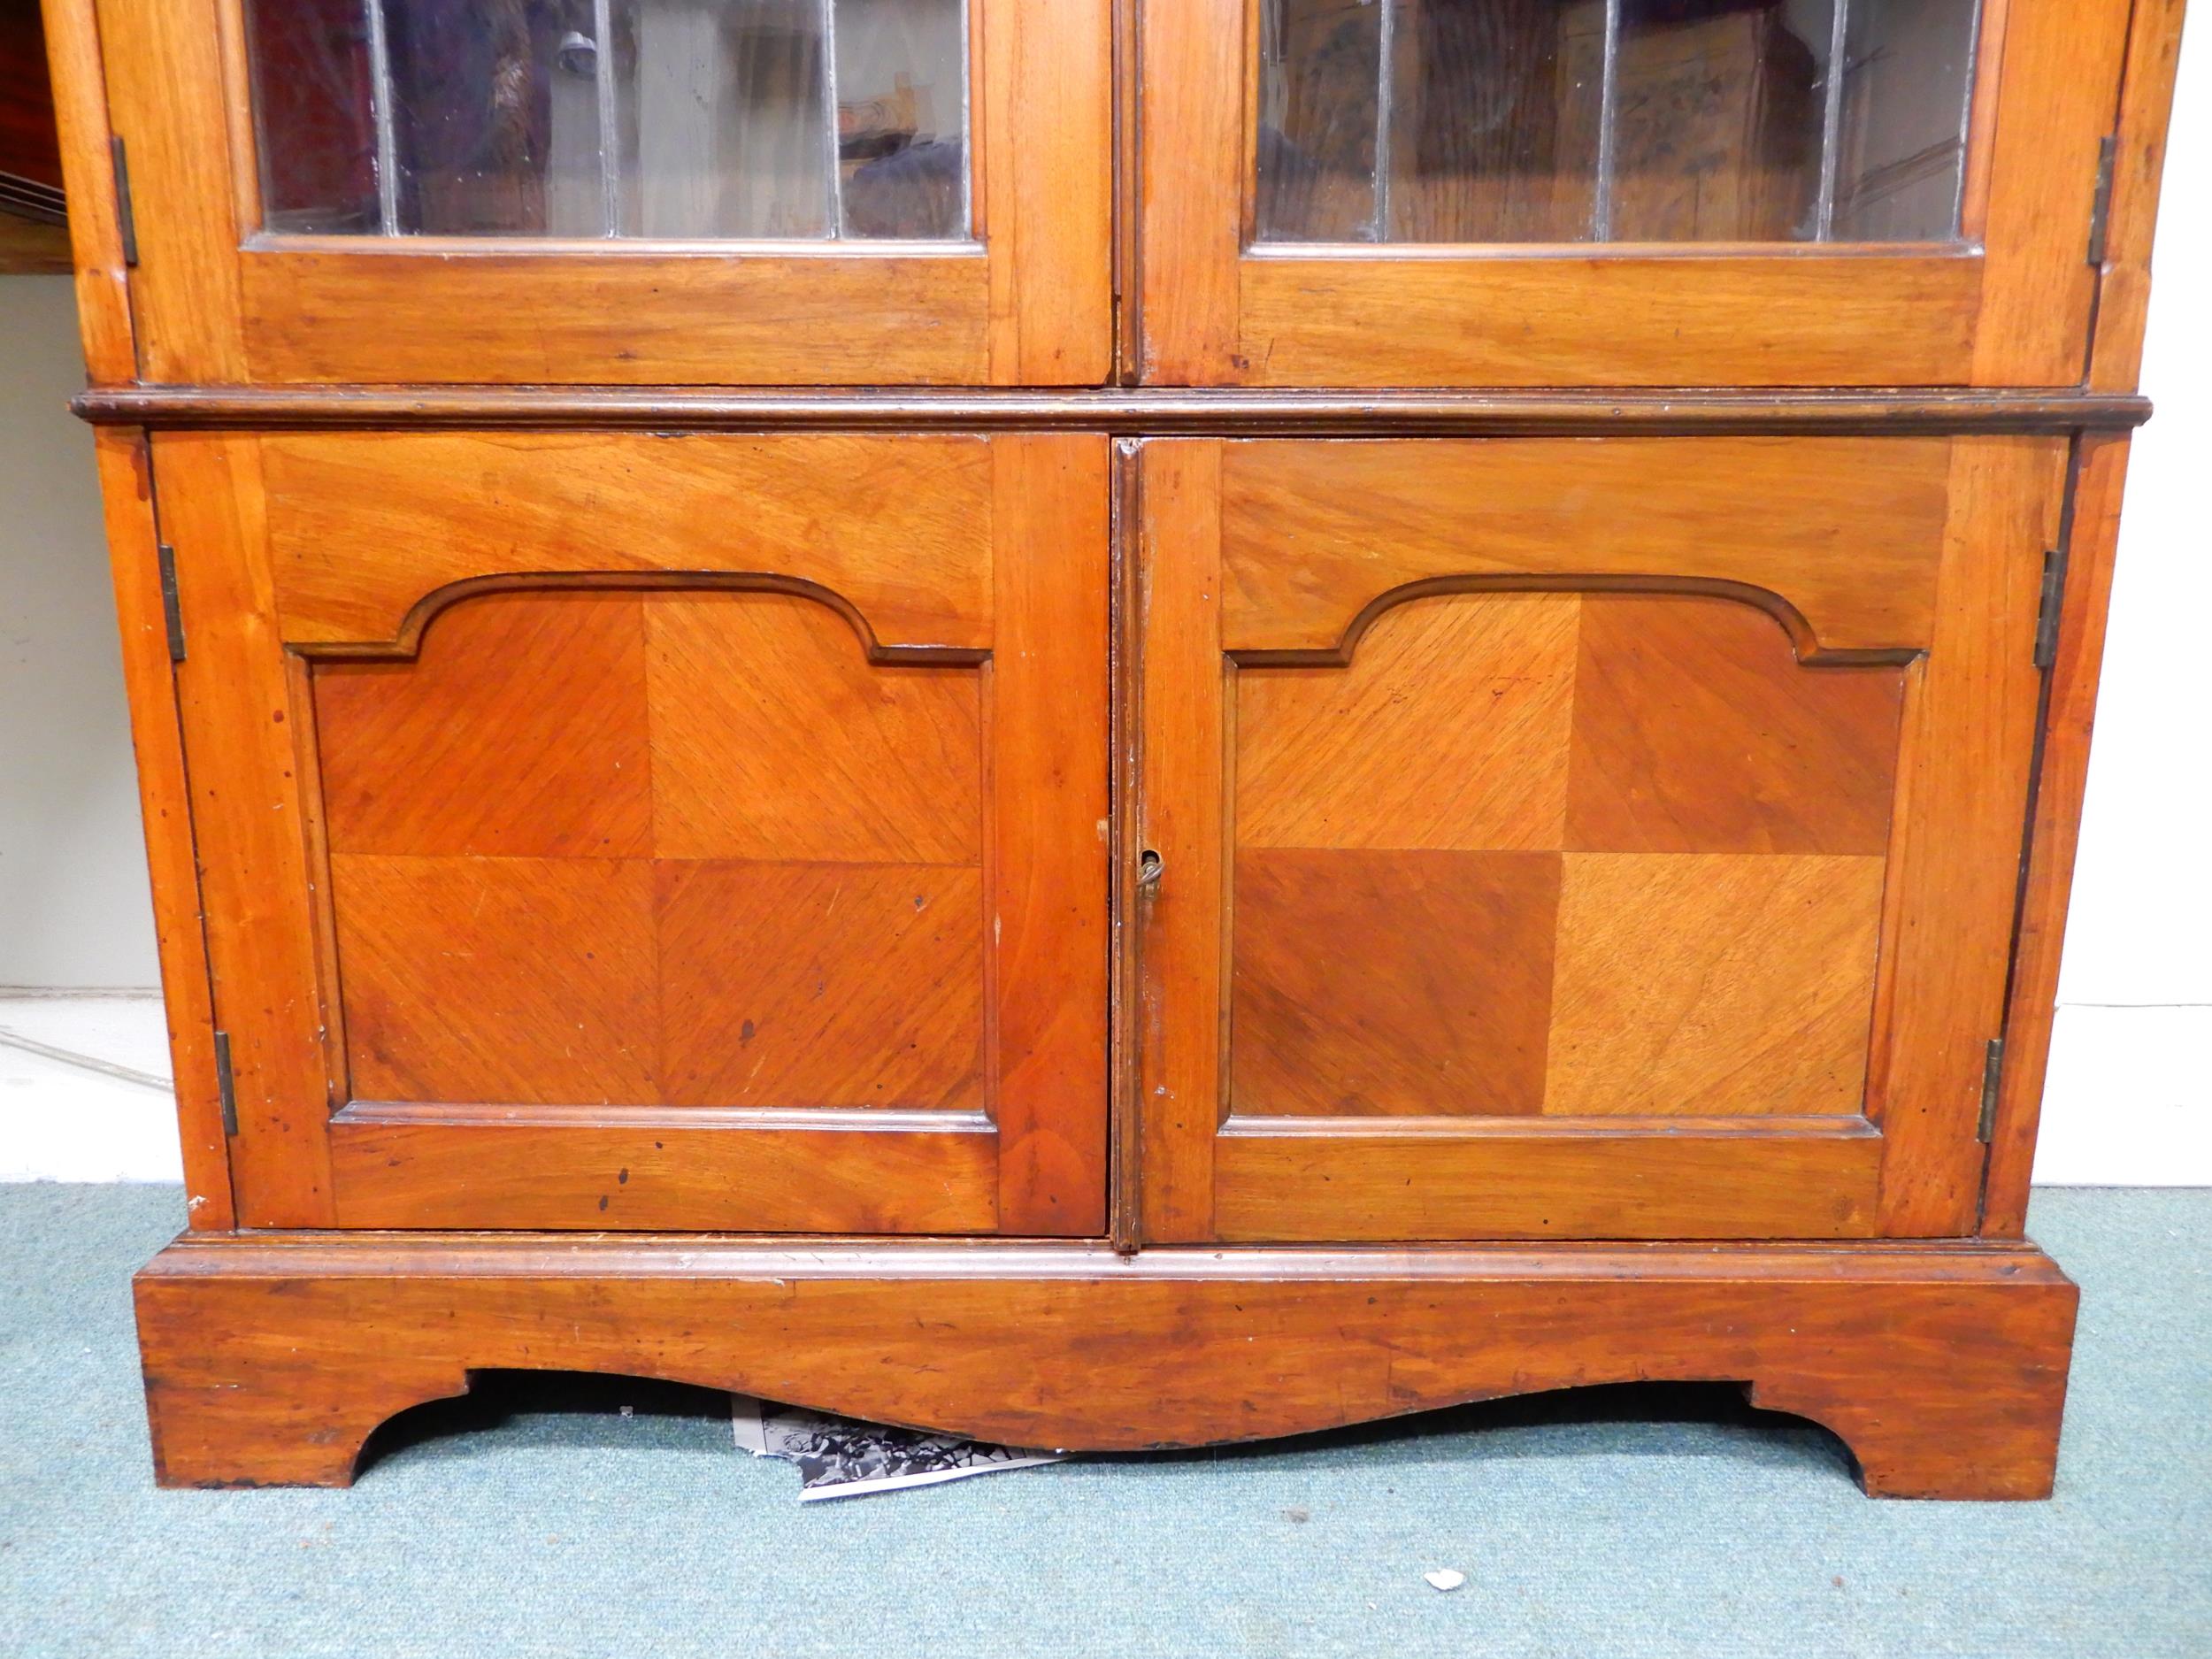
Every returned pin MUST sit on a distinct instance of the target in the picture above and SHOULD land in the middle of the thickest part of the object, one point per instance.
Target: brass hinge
(1992, 1080)
(2049, 607)
(172, 613)
(125, 221)
(2101, 205)
(226, 1089)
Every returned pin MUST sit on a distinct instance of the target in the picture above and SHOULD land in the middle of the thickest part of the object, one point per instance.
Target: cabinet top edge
(1143, 412)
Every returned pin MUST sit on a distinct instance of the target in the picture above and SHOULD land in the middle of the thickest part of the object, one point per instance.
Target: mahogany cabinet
(1112, 723)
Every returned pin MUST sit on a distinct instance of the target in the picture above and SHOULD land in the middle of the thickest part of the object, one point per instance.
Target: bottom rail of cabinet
(270, 1357)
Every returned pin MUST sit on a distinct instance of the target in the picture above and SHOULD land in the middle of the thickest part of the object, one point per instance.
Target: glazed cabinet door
(763, 192)
(1372, 193)
(652, 832)
(1573, 839)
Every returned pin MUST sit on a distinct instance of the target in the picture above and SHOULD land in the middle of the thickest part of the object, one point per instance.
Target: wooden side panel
(364, 525)
(166, 86)
(1846, 533)
(96, 238)
(1663, 318)
(1047, 871)
(2069, 719)
(1184, 756)
(2062, 60)
(1954, 851)
(242, 728)
(2146, 102)
(165, 808)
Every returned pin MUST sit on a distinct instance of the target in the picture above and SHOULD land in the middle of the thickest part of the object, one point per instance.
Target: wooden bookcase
(1112, 724)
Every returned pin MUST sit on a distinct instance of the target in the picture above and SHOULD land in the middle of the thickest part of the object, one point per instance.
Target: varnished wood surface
(1523, 1177)
(1943, 1368)
(165, 810)
(655, 836)
(394, 1168)
(2061, 72)
(220, 302)
(81, 118)
(1670, 318)
(252, 807)
(2146, 101)
(2009, 304)
(2061, 778)
(1954, 851)
(1182, 705)
(1716, 830)
(362, 310)
(362, 528)
(1492, 412)
(1847, 532)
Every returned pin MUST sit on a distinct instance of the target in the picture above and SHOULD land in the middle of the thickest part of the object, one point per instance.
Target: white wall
(73, 867)
(2131, 1089)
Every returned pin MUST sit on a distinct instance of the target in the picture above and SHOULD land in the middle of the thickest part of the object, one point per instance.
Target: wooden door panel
(1390, 983)
(664, 878)
(1697, 985)
(1859, 524)
(1749, 754)
(1474, 272)
(1484, 858)
(363, 527)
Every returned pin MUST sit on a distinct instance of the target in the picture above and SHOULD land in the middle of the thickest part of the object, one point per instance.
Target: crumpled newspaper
(840, 1458)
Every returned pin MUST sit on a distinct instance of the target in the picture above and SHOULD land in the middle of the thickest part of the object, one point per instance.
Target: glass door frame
(218, 301)
(2009, 304)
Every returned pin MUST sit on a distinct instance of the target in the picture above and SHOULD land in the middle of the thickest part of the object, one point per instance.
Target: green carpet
(537, 1519)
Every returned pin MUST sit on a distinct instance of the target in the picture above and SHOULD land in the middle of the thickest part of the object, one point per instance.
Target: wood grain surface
(1942, 1369)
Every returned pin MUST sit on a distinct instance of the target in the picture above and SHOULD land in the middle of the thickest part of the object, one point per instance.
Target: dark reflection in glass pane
(1495, 115)
(1908, 65)
(1720, 108)
(1492, 121)
(311, 84)
(729, 106)
(900, 117)
(1319, 86)
(668, 119)
(494, 118)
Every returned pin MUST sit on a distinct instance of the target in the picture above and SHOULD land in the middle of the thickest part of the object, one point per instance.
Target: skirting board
(270, 1358)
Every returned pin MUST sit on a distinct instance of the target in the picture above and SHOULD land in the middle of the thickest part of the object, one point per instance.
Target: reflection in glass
(1612, 121)
(668, 119)
(1901, 158)
(1718, 111)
